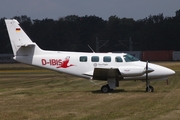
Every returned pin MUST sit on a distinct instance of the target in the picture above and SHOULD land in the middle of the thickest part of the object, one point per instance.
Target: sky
(55, 9)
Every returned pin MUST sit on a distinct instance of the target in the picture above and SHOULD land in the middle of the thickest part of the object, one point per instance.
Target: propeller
(147, 82)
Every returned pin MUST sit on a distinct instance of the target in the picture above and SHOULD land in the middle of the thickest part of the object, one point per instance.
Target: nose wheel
(149, 89)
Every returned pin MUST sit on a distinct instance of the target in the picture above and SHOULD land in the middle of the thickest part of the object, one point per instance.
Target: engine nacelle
(130, 71)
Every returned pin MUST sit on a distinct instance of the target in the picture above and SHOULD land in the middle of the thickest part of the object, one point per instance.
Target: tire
(150, 89)
(105, 89)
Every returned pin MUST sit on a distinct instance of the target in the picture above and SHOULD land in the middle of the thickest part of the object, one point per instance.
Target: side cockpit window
(130, 58)
(118, 59)
(83, 58)
(95, 59)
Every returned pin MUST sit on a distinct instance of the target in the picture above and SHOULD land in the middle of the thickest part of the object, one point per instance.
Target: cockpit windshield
(130, 58)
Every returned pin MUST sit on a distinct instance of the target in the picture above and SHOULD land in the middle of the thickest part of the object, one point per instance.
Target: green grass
(32, 93)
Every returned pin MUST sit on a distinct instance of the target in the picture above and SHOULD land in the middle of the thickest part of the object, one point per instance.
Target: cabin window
(118, 59)
(107, 59)
(95, 59)
(83, 59)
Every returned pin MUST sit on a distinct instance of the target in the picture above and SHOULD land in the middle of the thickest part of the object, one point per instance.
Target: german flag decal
(18, 29)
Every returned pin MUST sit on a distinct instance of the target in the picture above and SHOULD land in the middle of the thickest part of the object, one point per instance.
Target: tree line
(74, 33)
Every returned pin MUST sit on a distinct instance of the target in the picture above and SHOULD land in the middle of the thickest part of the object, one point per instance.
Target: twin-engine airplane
(110, 67)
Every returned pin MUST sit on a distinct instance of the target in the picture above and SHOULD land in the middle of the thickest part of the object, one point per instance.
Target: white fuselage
(73, 63)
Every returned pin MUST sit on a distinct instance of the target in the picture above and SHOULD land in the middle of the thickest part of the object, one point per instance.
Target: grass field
(30, 93)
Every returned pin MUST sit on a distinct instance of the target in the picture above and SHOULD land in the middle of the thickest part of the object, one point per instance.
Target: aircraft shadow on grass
(118, 91)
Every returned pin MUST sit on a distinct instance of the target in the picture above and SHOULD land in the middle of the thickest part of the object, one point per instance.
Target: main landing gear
(112, 84)
(106, 89)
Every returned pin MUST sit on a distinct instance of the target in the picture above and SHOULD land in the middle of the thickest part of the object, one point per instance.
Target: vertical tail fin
(20, 42)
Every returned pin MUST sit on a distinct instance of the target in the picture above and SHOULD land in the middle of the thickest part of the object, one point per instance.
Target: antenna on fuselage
(91, 49)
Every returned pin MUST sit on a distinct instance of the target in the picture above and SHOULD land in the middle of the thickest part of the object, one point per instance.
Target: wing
(104, 73)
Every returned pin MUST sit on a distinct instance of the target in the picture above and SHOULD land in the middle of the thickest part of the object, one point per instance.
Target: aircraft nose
(169, 72)
(161, 70)
(166, 71)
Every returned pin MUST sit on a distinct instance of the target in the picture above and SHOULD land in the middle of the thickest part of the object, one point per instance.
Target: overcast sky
(40, 9)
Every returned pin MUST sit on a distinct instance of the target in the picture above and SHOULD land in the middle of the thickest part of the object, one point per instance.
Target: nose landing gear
(149, 89)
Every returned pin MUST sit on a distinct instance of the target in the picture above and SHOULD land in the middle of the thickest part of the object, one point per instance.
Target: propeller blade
(146, 70)
(147, 82)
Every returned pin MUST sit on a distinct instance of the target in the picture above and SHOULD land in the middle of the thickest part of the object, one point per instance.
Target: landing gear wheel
(150, 89)
(105, 88)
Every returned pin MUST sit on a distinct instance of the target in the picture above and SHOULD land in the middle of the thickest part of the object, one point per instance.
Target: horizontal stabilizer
(26, 45)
